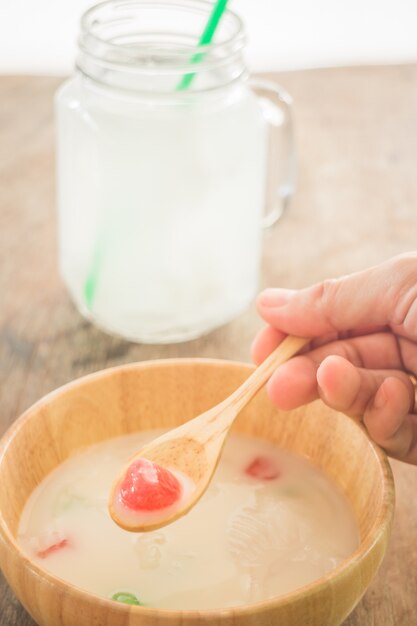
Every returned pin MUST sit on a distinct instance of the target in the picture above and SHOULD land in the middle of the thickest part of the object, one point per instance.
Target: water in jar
(160, 203)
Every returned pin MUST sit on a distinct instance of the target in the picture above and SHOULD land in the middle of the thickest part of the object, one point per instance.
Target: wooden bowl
(163, 394)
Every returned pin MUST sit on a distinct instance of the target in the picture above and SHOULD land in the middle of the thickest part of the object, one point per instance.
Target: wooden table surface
(356, 204)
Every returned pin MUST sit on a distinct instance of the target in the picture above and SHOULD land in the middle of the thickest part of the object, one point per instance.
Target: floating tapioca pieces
(149, 487)
(263, 468)
(126, 598)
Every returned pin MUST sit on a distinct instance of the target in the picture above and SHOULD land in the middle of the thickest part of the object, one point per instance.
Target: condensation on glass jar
(161, 187)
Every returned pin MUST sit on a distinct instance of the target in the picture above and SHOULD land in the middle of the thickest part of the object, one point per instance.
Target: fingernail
(275, 297)
(379, 398)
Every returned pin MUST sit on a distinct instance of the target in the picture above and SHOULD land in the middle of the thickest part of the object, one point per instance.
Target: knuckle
(402, 290)
(327, 295)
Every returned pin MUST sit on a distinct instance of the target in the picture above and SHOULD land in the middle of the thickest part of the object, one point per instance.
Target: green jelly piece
(126, 598)
(65, 501)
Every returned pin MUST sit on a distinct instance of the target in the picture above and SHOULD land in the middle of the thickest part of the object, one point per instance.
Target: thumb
(379, 296)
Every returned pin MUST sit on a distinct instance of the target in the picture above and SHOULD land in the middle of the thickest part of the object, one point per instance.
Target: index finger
(379, 296)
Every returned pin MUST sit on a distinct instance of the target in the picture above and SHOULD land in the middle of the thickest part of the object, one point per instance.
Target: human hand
(363, 349)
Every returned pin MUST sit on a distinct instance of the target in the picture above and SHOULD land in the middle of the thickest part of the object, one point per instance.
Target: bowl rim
(378, 530)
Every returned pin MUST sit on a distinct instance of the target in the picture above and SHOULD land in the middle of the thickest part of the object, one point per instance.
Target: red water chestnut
(264, 468)
(55, 547)
(149, 487)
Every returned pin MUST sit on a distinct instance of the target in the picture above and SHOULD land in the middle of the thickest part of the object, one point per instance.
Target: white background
(38, 36)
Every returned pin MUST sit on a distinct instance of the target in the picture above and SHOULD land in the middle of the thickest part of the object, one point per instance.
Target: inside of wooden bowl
(164, 394)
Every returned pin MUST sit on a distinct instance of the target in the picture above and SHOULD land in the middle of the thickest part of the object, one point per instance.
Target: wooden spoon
(193, 450)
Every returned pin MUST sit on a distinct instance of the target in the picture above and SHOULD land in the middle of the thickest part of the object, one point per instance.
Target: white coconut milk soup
(269, 523)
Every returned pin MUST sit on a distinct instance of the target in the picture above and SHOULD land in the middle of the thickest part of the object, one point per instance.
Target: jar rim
(235, 42)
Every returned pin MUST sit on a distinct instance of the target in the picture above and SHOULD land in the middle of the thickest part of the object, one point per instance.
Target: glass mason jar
(162, 151)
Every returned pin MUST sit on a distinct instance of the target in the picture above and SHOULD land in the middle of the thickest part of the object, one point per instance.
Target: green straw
(90, 285)
(206, 37)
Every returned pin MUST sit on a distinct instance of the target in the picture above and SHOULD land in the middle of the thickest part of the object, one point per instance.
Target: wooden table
(356, 204)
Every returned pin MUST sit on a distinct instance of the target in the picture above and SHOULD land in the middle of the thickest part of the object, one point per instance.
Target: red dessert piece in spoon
(149, 487)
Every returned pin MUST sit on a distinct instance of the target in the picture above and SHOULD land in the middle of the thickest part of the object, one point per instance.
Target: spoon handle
(213, 425)
(286, 349)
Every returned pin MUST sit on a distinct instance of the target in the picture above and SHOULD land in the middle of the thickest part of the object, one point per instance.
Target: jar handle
(276, 107)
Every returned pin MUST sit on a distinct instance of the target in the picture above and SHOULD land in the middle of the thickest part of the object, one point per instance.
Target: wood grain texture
(356, 204)
(121, 400)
